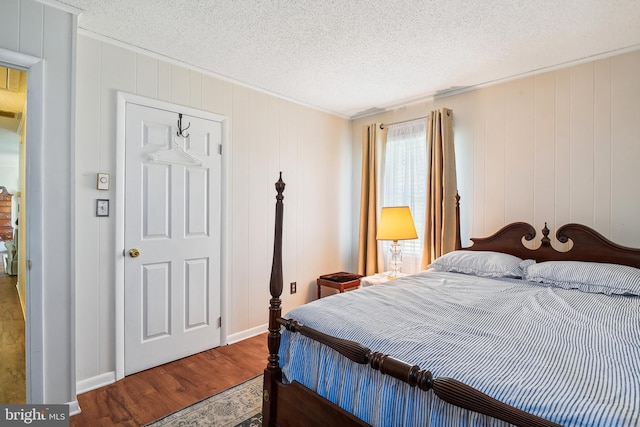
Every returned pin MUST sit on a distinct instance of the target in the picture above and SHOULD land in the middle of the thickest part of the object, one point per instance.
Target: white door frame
(123, 100)
(34, 330)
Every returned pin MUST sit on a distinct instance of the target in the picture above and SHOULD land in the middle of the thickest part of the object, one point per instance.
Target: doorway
(13, 277)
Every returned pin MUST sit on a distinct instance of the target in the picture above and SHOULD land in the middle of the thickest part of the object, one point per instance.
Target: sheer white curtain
(404, 183)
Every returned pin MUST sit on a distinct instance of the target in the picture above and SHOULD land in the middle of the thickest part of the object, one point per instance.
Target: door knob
(133, 253)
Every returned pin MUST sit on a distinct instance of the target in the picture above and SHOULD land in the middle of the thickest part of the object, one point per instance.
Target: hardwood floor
(139, 398)
(12, 353)
(149, 395)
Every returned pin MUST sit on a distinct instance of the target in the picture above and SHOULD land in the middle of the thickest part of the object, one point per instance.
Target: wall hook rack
(180, 130)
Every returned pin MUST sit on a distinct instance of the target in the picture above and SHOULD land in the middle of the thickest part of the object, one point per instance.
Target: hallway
(12, 341)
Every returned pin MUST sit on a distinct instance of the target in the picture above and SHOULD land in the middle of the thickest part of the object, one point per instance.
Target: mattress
(563, 354)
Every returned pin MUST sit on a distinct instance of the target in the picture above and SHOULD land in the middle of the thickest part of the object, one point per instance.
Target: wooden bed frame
(295, 405)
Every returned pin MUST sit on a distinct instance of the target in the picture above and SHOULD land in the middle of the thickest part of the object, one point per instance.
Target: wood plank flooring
(12, 353)
(137, 399)
(149, 395)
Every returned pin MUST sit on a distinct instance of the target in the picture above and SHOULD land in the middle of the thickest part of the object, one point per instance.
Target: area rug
(240, 405)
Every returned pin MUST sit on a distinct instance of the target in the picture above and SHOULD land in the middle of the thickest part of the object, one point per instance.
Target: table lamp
(396, 223)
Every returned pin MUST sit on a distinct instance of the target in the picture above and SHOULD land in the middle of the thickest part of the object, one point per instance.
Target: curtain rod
(382, 125)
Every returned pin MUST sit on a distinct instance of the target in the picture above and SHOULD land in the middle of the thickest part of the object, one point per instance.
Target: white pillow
(596, 277)
(479, 263)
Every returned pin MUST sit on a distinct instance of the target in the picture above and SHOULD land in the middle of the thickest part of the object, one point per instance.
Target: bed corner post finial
(273, 373)
(546, 242)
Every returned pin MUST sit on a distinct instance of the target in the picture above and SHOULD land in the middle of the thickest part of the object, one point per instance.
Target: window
(404, 183)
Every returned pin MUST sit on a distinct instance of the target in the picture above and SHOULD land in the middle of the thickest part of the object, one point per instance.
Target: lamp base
(396, 259)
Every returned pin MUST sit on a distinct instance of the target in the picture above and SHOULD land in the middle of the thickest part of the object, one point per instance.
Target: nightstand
(378, 278)
(340, 281)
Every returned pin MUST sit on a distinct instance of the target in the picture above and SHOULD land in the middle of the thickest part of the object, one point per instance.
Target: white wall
(561, 146)
(9, 160)
(266, 135)
(31, 31)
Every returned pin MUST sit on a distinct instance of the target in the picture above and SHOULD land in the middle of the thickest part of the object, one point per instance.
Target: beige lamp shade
(396, 223)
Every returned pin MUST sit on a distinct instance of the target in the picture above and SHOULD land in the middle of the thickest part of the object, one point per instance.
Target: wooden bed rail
(447, 389)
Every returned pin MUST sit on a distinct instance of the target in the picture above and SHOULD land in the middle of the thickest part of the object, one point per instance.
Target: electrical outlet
(293, 287)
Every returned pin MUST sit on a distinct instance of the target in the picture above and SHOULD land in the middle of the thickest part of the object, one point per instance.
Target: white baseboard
(74, 408)
(239, 336)
(110, 377)
(95, 382)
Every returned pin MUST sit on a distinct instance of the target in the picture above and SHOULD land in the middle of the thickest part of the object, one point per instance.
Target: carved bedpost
(458, 238)
(273, 373)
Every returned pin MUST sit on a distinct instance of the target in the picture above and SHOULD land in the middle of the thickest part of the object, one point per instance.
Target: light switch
(102, 207)
(103, 181)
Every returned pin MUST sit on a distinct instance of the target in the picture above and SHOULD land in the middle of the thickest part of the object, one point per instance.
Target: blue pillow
(593, 277)
(479, 263)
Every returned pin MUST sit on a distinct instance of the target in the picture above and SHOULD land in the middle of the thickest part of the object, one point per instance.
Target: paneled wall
(31, 34)
(557, 147)
(265, 135)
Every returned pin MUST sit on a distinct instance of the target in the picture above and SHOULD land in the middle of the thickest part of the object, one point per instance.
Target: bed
(495, 334)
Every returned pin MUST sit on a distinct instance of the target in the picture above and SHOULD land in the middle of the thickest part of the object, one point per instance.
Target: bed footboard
(294, 404)
(447, 389)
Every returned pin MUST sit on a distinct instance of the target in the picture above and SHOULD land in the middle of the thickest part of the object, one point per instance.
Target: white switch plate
(103, 181)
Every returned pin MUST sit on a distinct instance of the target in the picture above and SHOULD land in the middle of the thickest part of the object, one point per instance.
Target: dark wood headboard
(588, 244)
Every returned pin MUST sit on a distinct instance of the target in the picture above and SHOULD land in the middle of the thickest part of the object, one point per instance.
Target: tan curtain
(373, 138)
(440, 224)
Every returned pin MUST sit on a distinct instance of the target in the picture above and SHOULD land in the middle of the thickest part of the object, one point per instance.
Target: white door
(172, 237)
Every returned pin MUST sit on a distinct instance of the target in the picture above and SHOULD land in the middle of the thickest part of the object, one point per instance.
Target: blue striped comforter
(566, 355)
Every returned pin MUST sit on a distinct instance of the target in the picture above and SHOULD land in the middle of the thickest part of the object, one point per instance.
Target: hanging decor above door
(180, 130)
(176, 155)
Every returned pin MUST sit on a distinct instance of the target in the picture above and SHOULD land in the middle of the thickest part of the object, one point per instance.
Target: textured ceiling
(355, 56)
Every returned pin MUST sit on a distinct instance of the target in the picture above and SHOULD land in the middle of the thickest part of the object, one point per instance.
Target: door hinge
(220, 322)
(28, 264)
(220, 149)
